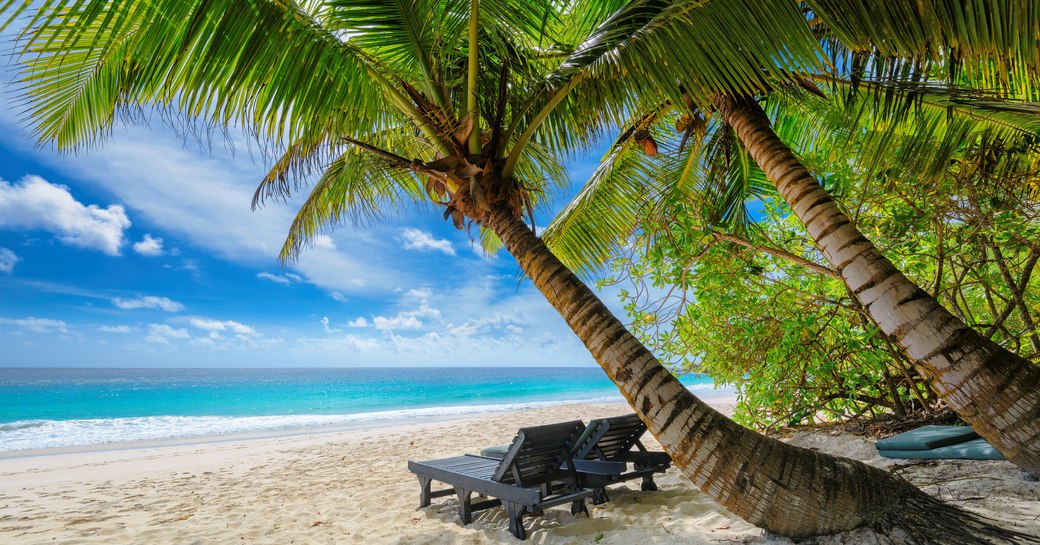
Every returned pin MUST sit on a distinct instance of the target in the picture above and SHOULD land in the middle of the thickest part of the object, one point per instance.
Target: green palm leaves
(529, 83)
(223, 62)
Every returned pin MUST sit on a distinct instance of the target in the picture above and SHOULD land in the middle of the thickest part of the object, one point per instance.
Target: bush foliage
(759, 309)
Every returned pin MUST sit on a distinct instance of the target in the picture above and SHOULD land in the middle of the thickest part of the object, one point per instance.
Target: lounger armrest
(599, 467)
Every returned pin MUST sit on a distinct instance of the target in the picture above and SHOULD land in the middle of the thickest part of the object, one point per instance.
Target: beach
(354, 487)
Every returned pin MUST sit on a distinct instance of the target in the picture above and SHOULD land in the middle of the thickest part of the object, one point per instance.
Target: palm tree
(895, 48)
(468, 105)
(991, 388)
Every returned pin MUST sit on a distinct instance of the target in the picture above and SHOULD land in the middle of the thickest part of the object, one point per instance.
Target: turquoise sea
(46, 408)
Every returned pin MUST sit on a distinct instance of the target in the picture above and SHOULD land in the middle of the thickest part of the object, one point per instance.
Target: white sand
(354, 487)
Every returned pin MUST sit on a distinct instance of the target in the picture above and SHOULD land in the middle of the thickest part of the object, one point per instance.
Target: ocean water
(46, 408)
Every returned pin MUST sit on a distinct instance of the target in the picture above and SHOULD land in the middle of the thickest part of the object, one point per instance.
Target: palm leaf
(262, 65)
(357, 187)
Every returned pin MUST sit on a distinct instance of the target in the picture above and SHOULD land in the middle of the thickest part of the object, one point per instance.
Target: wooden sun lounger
(537, 472)
(613, 440)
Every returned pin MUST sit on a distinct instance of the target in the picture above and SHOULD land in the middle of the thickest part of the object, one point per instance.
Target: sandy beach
(354, 487)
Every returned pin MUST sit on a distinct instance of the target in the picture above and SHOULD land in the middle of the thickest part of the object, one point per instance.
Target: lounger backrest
(615, 437)
(537, 453)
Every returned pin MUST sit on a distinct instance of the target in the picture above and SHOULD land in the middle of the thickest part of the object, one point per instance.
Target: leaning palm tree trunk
(994, 390)
(784, 489)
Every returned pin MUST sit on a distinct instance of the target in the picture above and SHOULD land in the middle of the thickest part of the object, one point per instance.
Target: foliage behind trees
(756, 306)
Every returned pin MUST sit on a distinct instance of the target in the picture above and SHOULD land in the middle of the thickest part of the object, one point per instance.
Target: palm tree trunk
(994, 390)
(785, 489)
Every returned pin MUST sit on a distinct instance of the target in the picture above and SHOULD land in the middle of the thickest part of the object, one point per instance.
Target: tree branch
(777, 252)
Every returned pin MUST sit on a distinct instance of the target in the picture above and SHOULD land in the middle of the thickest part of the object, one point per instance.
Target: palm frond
(357, 187)
(685, 52)
(604, 215)
(263, 66)
(919, 144)
(401, 33)
(990, 41)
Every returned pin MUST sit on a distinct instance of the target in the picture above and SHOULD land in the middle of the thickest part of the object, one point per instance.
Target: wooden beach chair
(615, 440)
(538, 471)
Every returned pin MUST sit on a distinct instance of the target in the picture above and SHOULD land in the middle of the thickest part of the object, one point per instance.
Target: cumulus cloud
(114, 329)
(412, 319)
(498, 324)
(7, 260)
(338, 297)
(149, 301)
(35, 203)
(414, 239)
(424, 293)
(359, 322)
(229, 335)
(227, 325)
(37, 325)
(325, 325)
(285, 279)
(162, 333)
(149, 246)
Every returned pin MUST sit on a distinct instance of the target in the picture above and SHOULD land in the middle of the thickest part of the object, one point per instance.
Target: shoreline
(358, 422)
(354, 487)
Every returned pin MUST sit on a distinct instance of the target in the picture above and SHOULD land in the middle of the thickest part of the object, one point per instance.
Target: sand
(353, 487)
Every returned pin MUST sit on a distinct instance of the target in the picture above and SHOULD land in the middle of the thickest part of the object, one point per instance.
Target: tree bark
(994, 390)
(785, 489)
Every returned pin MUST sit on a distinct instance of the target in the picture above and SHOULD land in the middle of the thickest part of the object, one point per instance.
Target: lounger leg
(600, 497)
(465, 507)
(648, 480)
(424, 492)
(579, 507)
(515, 512)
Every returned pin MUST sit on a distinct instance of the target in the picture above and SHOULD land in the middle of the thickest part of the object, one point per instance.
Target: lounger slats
(613, 441)
(537, 452)
(445, 473)
(536, 458)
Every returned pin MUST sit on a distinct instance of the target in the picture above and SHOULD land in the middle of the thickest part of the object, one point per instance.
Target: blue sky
(144, 252)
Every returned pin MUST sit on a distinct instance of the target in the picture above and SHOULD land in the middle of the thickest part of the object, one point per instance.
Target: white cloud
(424, 293)
(149, 246)
(285, 279)
(325, 325)
(228, 325)
(7, 260)
(114, 329)
(37, 325)
(149, 301)
(412, 319)
(338, 297)
(347, 344)
(34, 203)
(229, 335)
(323, 241)
(414, 239)
(215, 341)
(359, 322)
(496, 324)
(162, 333)
(209, 206)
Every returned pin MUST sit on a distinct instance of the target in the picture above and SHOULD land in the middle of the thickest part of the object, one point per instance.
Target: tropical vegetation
(469, 108)
(744, 295)
(927, 54)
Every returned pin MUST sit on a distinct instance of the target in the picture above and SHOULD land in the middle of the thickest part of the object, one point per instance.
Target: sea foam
(41, 434)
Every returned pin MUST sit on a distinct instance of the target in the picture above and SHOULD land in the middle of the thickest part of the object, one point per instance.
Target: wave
(21, 425)
(41, 434)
